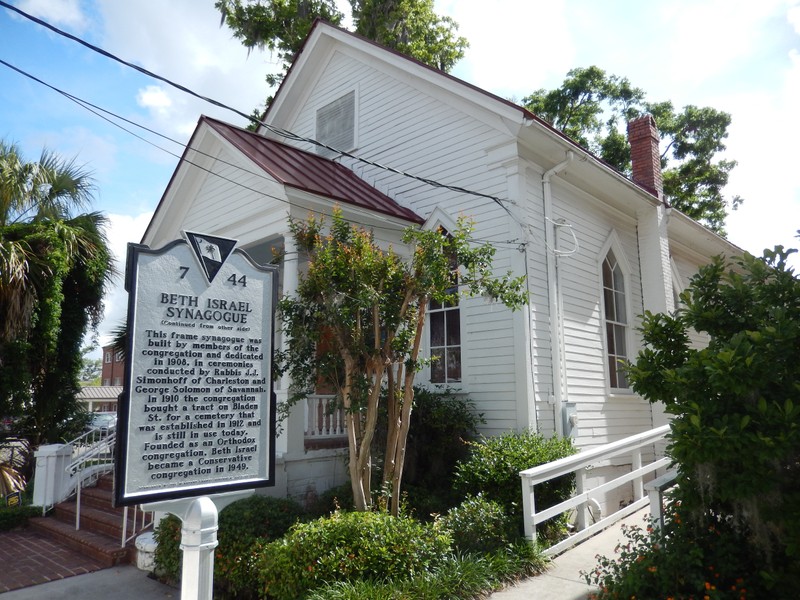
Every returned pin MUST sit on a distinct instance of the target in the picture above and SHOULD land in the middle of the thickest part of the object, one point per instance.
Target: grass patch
(470, 576)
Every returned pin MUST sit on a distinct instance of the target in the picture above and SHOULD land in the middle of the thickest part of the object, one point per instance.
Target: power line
(277, 130)
(97, 110)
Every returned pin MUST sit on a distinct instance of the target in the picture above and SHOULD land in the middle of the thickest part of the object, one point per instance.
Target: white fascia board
(325, 40)
(183, 185)
(303, 202)
(695, 237)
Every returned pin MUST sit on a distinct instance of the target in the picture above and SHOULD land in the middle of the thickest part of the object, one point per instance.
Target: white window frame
(437, 219)
(614, 245)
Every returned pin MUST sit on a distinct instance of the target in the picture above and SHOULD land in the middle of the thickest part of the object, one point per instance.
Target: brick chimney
(645, 156)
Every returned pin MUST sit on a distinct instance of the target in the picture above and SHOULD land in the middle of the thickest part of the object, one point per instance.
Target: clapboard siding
(603, 417)
(233, 199)
(408, 130)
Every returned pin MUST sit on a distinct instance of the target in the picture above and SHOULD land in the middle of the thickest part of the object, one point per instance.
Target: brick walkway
(28, 558)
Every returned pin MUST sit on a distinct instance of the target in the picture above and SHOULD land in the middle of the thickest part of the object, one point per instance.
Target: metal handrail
(97, 446)
(578, 464)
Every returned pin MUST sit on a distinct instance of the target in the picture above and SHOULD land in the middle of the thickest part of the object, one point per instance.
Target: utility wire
(277, 130)
(98, 110)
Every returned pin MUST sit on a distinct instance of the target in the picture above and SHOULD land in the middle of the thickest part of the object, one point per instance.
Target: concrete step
(100, 547)
(101, 498)
(100, 520)
(100, 532)
(106, 482)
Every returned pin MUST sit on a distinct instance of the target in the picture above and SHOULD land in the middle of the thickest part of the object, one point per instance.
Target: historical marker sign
(198, 414)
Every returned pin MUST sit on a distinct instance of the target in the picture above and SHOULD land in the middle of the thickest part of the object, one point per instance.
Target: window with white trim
(616, 321)
(444, 322)
(107, 357)
(445, 341)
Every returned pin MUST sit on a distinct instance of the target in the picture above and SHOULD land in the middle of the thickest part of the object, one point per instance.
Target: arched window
(616, 320)
(444, 320)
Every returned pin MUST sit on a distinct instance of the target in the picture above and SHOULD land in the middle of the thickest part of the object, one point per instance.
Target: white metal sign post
(198, 414)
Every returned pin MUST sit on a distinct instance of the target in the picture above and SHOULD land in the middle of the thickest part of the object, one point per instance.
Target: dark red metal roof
(311, 173)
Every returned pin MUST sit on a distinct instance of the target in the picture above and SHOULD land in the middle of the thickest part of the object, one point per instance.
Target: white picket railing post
(577, 464)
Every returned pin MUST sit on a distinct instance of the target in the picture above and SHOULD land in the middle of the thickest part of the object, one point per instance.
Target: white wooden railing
(635, 447)
(323, 420)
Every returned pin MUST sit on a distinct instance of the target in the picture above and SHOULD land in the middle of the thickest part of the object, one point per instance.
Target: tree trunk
(400, 421)
(360, 493)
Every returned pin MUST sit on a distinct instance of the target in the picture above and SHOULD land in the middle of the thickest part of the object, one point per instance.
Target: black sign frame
(125, 497)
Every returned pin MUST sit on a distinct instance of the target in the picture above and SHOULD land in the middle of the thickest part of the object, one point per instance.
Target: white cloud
(182, 40)
(515, 47)
(793, 15)
(763, 139)
(154, 96)
(122, 229)
(62, 13)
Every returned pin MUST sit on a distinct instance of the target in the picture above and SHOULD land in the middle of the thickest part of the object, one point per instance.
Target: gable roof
(325, 38)
(293, 168)
(310, 173)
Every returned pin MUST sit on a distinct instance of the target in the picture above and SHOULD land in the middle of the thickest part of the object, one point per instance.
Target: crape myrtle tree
(356, 324)
(409, 26)
(593, 107)
(54, 266)
(735, 435)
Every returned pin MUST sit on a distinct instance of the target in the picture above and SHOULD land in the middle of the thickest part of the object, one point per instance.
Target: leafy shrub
(735, 435)
(494, 465)
(478, 525)
(348, 546)
(441, 424)
(469, 576)
(241, 524)
(340, 497)
(705, 559)
(12, 517)
(168, 556)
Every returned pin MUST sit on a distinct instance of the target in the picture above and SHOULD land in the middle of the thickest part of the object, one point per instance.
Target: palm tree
(54, 265)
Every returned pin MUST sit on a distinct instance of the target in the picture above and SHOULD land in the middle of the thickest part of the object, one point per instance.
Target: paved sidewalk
(562, 581)
(124, 582)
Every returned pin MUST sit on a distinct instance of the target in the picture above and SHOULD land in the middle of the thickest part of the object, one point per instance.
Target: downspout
(556, 324)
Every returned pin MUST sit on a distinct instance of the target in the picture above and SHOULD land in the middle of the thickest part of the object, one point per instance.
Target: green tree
(408, 26)
(91, 368)
(593, 107)
(736, 404)
(357, 320)
(53, 269)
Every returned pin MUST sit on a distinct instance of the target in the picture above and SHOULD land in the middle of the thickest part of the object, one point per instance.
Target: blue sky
(743, 58)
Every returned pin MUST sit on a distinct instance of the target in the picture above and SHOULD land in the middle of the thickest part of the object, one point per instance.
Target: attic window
(336, 125)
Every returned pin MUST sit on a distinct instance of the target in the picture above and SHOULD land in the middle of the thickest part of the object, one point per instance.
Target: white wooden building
(597, 248)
